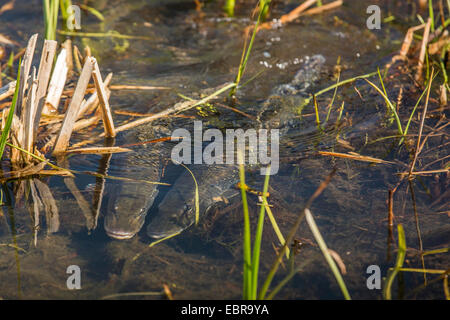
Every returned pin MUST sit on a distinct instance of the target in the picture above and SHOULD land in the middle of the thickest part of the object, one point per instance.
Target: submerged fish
(176, 212)
(129, 201)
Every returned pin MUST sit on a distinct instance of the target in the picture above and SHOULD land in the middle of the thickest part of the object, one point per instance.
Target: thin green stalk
(330, 106)
(398, 263)
(390, 105)
(431, 14)
(247, 288)
(316, 109)
(5, 132)
(110, 33)
(405, 132)
(51, 8)
(229, 7)
(64, 4)
(196, 199)
(323, 247)
(308, 100)
(258, 237)
(243, 64)
(277, 229)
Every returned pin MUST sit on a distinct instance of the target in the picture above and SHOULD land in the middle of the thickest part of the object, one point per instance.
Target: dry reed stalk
(132, 87)
(98, 150)
(69, 58)
(77, 57)
(57, 84)
(93, 107)
(43, 78)
(108, 122)
(408, 39)
(29, 112)
(325, 7)
(294, 14)
(423, 49)
(7, 90)
(24, 72)
(437, 46)
(357, 157)
(137, 114)
(92, 101)
(72, 112)
(179, 107)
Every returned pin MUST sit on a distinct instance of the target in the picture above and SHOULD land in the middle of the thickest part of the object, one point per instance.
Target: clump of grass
(251, 262)
(51, 8)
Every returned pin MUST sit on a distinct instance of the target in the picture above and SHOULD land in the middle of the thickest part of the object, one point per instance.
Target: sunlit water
(189, 51)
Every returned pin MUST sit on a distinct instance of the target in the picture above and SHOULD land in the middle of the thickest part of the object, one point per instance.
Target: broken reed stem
(72, 112)
(108, 123)
(87, 106)
(426, 34)
(132, 87)
(57, 83)
(43, 77)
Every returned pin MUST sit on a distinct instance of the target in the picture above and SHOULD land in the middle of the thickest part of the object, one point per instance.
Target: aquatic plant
(51, 8)
(251, 262)
(7, 127)
(247, 49)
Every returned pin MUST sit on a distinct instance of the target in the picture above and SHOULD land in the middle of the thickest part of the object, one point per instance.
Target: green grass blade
(5, 132)
(197, 200)
(262, 4)
(247, 288)
(323, 247)
(431, 14)
(93, 11)
(258, 237)
(390, 105)
(277, 229)
(398, 263)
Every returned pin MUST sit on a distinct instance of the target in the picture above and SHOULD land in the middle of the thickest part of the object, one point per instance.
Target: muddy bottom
(190, 51)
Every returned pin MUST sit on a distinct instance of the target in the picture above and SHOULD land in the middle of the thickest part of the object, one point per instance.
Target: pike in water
(129, 202)
(176, 212)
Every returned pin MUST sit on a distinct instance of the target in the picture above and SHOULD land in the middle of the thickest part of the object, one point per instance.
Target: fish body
(129, 201)
(176, 212)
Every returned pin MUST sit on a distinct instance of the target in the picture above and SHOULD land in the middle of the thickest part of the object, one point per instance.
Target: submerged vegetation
(408, 144)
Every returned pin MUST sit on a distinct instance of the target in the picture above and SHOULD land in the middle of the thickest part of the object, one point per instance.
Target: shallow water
(189, 51)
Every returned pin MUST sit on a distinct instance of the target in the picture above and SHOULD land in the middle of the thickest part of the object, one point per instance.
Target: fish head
(128, 205)
(175, 214)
